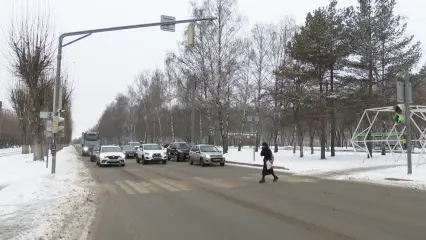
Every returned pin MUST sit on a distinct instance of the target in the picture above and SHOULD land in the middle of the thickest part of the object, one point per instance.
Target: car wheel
(143, 161)
(190, 162)
(168, 157)
(222, 164)
(177, 156)
(201, 162)
(137, 159)
(165, 162)
(123, 164)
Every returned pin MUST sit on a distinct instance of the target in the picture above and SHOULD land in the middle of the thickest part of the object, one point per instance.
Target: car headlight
(147, 154)
(85, 148)
(207, 156)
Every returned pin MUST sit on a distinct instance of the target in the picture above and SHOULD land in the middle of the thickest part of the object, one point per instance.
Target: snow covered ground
(35, 204)
(9, 151)
(348, 165)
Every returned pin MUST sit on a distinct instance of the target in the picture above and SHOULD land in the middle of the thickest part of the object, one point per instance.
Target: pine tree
(380, 42)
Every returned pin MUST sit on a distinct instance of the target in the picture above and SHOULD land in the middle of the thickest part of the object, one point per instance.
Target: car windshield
(91, 143)
(111, 149)
(96, 148)
(152, 147)
(127, 147)
(208, 149)
(134, 144)
(182, 146)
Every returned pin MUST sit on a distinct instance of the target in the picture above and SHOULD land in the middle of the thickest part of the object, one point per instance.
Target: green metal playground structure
(391, 140)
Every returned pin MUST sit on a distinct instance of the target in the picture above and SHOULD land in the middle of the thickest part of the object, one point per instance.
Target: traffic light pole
(85, 34)
(408, 120)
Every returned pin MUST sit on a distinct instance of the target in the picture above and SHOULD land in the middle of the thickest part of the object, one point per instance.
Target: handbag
(269, 164)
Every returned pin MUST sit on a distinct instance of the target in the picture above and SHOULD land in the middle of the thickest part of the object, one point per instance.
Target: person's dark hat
(264, 144)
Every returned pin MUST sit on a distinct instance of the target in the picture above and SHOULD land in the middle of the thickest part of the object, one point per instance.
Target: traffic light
(399, 112)
(58, 125)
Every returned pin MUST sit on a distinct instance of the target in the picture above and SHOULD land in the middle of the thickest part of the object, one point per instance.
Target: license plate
(217, 160)
(157, 158)
(131, 154)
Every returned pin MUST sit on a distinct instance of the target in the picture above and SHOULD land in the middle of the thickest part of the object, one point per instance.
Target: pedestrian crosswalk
(282, 178)
(161, 185)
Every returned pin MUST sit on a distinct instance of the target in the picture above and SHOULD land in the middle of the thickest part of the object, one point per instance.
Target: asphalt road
(182, 202)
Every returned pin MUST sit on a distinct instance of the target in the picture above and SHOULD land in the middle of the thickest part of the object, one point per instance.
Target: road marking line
(140, 189)
(127, 189)
(150, 186)
(164, 185)
(214, 182)
(111, 189)
(178, 184)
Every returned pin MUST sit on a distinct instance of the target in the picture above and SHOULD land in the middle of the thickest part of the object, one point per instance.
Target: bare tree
(30, 41)
(280, 34)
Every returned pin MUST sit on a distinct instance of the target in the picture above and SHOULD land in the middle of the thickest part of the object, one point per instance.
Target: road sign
(49, 125)
(46, 115)
(168, 27)
(191, 34)
(400, 92)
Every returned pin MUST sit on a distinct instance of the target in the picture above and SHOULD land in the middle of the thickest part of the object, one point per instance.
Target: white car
(110, 155)
(151, 152)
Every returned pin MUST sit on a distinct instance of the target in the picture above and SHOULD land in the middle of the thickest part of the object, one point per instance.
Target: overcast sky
(103, 65)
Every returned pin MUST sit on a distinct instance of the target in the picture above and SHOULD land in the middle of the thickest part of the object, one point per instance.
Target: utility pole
(1, 121)
(167, 23)
(194, 85)
(407, 101)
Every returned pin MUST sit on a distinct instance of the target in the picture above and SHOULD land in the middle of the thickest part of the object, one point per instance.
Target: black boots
(263, 179)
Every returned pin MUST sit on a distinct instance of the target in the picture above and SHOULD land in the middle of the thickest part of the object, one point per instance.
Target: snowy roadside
(344, 166)
(396, 177)
(37, 205)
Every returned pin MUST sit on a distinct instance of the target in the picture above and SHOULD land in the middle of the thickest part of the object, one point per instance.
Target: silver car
(206, 154)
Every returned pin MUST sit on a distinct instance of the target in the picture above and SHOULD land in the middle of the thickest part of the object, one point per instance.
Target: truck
(89, 140)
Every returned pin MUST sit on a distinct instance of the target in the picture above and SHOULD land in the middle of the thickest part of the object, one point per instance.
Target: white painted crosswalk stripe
(164, 185)
(137, 187)
(123, 186)
(215, 182)
(161, 185)
(284, 178)
(151, 187)
(178, 184)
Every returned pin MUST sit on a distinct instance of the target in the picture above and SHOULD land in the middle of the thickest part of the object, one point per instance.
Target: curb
(256, 165)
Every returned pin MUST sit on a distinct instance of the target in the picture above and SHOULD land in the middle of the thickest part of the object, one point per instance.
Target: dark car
(129, 151)
(178, 151)
(94, 153)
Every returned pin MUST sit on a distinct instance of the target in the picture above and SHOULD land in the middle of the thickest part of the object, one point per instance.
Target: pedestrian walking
(268, 159)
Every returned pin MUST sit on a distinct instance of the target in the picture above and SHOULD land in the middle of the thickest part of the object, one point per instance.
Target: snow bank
(396, 176)
(344, 166)
(35, 204)
(7, 151)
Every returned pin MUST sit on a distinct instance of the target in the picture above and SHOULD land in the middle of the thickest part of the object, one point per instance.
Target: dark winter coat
(266, 153)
